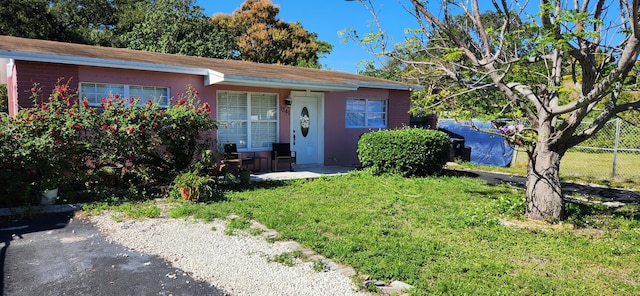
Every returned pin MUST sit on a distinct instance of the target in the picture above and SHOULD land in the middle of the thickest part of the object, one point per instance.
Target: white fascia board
(95, 62)
(389, 86)
(7, 66)
(213, 77)
(290, 84)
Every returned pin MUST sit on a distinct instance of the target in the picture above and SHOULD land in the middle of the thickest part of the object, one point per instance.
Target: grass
(139, 210)
(597, 167)
(445, 235)
(236, 224)
(287, 258)
(583, 167)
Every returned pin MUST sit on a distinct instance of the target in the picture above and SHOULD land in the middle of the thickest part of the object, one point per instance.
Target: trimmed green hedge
(406, 151)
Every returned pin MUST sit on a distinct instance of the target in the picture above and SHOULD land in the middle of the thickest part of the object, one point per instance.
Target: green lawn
(584, 167)
(598, 166)
(445, 235)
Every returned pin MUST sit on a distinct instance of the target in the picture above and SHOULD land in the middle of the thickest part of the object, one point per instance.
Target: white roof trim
(211, 76)
(85, 61)
(7, 64)
(292, 84)
(388, 86)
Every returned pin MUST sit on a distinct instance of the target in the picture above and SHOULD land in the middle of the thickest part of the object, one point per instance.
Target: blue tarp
(486, 149)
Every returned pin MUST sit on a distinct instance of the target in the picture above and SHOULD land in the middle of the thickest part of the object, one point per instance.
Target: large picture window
(250, 120)
(366, 113)
(95, 92)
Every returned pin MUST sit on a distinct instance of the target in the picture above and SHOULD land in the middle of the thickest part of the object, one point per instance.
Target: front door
(304, 129)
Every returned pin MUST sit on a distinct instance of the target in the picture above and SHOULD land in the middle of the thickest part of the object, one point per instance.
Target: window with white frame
(95, 92)
(250, 120)
(367, 113)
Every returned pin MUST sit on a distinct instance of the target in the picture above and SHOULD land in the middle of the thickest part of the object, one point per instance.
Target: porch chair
(231, 155)
(281, 153)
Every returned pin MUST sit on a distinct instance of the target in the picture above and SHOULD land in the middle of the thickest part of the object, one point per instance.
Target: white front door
(305, 135)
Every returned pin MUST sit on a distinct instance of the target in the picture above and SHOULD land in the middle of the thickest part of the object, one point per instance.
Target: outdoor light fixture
(287, 101)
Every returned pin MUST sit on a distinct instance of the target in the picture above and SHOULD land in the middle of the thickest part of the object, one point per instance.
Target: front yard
(583, 167)
(443, 235)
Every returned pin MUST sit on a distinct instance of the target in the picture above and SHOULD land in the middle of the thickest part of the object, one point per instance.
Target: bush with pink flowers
(63, 142)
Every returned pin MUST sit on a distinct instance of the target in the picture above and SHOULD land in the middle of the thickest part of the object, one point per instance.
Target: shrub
(61, 142)
(149, 140)
(405, 151)
(4, 99)
(39, 146)
(192, 184)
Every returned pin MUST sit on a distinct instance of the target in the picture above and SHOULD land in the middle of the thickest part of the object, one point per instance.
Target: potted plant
(49, 189)
(207, 163)
(49, 175)
(190, 184)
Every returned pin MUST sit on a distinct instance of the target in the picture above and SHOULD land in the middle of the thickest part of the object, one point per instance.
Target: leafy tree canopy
(177, 27)
(252, 33)
(27, 18)
(261, 37)
(85, 21)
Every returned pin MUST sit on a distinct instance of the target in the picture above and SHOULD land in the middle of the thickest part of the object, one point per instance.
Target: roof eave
(211, 76)
(96, 62)
(390, 86)
(278, 83)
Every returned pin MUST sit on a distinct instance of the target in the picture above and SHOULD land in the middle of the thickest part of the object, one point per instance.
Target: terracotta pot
(188, 193)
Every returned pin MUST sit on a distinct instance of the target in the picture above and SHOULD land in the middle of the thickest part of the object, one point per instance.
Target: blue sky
(328, 17)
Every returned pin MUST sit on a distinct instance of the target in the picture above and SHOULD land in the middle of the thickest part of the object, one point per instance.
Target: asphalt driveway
(59, 254)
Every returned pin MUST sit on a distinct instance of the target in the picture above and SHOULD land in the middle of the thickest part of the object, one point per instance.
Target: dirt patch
(535, 225)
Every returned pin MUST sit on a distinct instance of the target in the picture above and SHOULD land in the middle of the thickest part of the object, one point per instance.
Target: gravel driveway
(62, 254)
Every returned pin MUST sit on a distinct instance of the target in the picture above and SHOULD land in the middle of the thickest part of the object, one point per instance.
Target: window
(94, 92)
(250, 120)
(366, 113)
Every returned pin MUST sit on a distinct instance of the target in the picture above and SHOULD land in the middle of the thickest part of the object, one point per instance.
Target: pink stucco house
(257, 104)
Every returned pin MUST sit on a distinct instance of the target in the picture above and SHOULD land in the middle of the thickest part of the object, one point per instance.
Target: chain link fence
(612, 153)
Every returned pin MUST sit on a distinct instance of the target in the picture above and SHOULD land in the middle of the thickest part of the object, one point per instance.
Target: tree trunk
(544, 192)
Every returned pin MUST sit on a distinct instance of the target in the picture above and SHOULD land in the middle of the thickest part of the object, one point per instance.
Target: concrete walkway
(302, 172)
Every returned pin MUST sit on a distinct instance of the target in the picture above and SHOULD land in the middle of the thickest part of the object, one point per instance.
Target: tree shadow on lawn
(608, 201)
(254, 185)
(605, 194)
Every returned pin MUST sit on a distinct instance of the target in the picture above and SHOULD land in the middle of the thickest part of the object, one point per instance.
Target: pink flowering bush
(145, 137)
(63, 142)
(41, 146)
